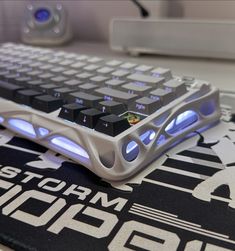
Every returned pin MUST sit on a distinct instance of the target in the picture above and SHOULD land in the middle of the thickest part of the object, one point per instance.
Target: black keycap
(85, 99)
(70, 111)
(48, 88)
(26, 96)
(89, 117)
(112, 107)
(62, 92)
(3, 73)
(8, 90)
(47, 103)
(112, 125)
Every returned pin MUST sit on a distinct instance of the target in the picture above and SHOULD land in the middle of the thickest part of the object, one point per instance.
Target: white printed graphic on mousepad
(183, 201)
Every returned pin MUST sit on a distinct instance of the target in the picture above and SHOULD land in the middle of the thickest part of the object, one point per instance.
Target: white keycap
(73, 82)
(55, 60)
(162, 72)
(60, 54)
(114, 63)
(127, 65)
(70, 72)
(134, 88)
(46, 75)
(58, 69)
(44, 58)
(94, 60)
(91, 67)
(98, 78)
(145, 78)
(78, 65)
(33, 56)
(59, 79)
(45, 51)
(24, 70)
(34, 73)
(178, 87)
(87, 87)
(70, 55)
(105, 70)
(85, 75)
(82, 57)
(165, 96)
(120, 73)
(46, 66)
(26, 62)
(143, 68)
(66, 62)
(114, 82)
(16, 60)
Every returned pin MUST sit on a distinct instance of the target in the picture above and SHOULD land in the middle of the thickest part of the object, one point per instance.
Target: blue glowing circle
(130, 150)
(182, 122)
(42, 15)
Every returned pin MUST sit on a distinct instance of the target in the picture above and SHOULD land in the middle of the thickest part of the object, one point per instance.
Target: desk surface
(220, 73)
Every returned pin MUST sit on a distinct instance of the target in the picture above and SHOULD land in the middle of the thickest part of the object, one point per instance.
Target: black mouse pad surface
(184, 201)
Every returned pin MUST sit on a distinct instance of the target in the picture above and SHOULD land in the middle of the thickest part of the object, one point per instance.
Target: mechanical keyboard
(112, 117)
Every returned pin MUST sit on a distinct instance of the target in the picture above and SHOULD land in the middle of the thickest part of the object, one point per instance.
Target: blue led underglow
(22, 126)
(156, 75)
(42, 15)
(1, 119)
(161, 140)
(131, 151)
(146, 138)
(131, 146)
(152, 135)
(161, 119)
(43, 131)
(181, 122)
(208, 108)
(170, 126)
(69, 146)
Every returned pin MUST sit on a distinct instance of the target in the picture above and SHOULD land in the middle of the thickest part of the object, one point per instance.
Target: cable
(143, 12)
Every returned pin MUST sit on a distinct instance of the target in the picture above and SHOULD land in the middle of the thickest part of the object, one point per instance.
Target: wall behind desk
(90, 18)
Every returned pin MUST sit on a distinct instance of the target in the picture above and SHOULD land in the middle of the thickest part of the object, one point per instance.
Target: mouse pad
(183, 201)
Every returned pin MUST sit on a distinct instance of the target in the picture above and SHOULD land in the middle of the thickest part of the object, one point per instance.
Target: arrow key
(89, 117)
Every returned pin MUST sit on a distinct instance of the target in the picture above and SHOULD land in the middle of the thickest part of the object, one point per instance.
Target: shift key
(85, 99)
(116, 95)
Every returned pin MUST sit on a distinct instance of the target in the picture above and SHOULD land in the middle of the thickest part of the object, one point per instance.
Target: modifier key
(8, 90)
(70, 111)
(47, 103)
(85, 99)
(112, 125)
(26, 96)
